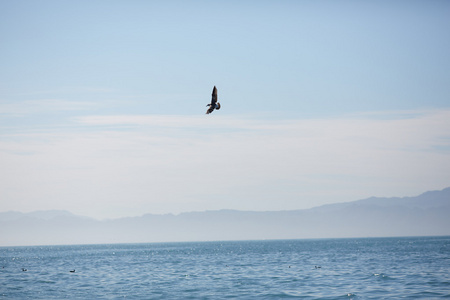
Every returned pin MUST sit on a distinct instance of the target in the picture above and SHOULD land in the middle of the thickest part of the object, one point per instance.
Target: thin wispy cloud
(159, 164)
(409, 129)
(68, 90)
(27, 107)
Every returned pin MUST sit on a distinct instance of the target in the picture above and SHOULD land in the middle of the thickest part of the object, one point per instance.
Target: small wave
(382, 276)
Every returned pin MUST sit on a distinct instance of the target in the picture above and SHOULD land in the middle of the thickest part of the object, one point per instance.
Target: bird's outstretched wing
(210, 110)
(214, 96)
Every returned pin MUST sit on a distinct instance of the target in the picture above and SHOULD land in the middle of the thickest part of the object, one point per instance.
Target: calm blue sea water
(371, 268)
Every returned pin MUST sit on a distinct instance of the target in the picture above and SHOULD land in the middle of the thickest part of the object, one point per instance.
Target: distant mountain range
(423, 215)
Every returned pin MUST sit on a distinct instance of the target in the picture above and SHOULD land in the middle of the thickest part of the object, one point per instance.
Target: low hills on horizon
(423, 215)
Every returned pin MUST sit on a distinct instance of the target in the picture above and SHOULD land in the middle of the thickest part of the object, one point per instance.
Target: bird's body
(214, 104)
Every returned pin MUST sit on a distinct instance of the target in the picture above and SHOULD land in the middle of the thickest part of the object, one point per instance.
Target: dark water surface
(370, 268)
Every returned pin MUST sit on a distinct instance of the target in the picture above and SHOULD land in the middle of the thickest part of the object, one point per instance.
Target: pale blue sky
(102, 104)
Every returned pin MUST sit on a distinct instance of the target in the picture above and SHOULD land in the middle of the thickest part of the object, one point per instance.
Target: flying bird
(214, 104)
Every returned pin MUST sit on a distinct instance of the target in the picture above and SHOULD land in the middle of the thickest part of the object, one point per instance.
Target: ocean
(355, 268)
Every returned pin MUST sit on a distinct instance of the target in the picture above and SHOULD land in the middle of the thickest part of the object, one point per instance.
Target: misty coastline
(423, 215)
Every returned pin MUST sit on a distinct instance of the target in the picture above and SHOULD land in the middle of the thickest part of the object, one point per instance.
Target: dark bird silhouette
(24, 270)
(72, 271)
(214, 104)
